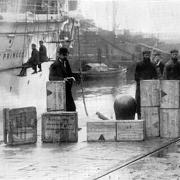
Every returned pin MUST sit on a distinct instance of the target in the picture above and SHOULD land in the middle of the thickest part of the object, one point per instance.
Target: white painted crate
(170, 94)
(130, 130)
(150, 93)
(104, 130)
(56, 96)
(151, 117)
(170, 123)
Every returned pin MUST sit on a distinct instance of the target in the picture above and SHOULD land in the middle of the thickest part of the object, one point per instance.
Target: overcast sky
(161, 17)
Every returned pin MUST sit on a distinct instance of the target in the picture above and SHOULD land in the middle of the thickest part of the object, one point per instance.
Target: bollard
(125, 107)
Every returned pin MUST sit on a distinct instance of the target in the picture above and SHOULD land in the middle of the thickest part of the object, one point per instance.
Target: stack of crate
(58, 125)
(115, 130)
(160, 107)
(150, 103)
(170, 109)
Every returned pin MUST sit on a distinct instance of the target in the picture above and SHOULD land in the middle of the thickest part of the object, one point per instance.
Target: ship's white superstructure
(23, 22)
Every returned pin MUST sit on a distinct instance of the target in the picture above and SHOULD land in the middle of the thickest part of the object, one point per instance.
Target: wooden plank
(5, 124)
(170, 123)
(152, 120)
(56, 96)
(130, 130)
(101, 130)
(60, 126)
(150, 93)
(170, 94)
(21, 125)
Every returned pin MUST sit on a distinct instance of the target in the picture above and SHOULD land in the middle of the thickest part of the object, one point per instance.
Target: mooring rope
(80, 69)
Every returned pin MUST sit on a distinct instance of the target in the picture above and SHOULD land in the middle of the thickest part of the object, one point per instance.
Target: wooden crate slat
(130, 130)
(60, 126)
(56, 96)
(101, 131)
(150, 93)
(21, 125)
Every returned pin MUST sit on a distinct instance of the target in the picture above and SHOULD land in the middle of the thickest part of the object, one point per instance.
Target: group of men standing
(36, 59)
(146, 70)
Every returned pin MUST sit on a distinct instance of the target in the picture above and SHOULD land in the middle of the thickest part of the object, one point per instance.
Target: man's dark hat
(63, 51)
(174, 51)
(146, 52)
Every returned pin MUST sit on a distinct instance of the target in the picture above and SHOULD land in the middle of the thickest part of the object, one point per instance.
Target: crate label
(59, 128)
(130, 130)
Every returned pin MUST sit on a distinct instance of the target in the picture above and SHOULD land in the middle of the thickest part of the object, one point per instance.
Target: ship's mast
(114, 14)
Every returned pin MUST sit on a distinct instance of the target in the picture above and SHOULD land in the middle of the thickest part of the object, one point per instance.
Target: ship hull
(16, 39)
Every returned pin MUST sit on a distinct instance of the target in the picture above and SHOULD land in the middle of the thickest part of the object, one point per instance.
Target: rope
(84, 102)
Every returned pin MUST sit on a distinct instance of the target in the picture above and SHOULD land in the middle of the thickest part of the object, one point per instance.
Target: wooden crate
(170, 123)
(130, 130)
(150, 93)
(60, 126)
(20, 126)
(56, 96)
(101, 130)
(152, 120)
(170, 94)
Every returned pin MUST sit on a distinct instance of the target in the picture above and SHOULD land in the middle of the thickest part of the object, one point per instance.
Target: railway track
(135, 160)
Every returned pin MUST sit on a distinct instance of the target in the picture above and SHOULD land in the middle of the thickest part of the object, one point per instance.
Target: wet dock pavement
(80, 160)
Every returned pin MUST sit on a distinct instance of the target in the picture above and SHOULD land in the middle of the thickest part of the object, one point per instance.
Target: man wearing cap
(144, 70)
(61, 70)
(42, 55)
(172, 67)
(158, 64)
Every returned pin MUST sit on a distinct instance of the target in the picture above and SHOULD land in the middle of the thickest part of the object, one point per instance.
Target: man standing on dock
(159, 64)
(42, 55)
(144, 70)
(61, 70)
(172, 67)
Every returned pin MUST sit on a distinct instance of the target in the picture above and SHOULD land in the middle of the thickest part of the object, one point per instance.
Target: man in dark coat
(159, 65)
(172, 67)
(33, 61)
(61, 70)
(144, 70)
(42, 55)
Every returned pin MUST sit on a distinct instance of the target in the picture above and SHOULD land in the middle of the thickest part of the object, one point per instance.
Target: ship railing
(33, 8)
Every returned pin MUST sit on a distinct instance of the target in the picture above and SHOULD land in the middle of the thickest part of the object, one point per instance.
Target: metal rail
(137, 159)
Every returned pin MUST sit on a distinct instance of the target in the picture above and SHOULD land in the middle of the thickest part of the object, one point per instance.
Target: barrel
(125, 108)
